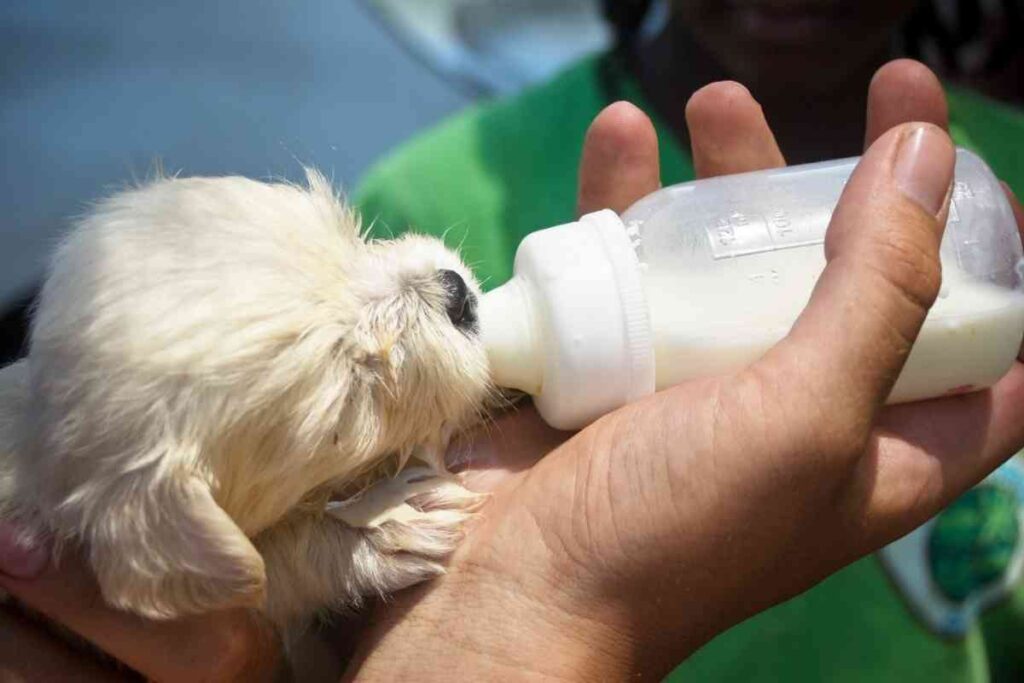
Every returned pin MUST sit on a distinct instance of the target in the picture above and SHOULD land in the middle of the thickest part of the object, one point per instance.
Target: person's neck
(809, 126)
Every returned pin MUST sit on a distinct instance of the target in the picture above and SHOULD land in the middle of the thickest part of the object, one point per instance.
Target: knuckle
(819, 419)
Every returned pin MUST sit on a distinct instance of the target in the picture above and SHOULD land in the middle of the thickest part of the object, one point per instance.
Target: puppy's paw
(410, 523)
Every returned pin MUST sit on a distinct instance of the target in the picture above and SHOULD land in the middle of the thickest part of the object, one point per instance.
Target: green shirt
(489, 176)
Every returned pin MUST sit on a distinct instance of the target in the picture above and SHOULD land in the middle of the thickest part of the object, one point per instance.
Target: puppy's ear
(164, 549)
(332, 205)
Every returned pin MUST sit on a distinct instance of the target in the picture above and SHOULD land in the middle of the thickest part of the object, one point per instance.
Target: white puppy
(211, 362)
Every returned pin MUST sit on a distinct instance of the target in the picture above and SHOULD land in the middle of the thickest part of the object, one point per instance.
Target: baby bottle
(702, 278)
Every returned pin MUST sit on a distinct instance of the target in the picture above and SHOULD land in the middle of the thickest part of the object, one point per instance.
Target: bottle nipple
(510, 333)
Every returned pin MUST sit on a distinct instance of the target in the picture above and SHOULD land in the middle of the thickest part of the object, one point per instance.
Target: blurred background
(94, 93)
(97, 92)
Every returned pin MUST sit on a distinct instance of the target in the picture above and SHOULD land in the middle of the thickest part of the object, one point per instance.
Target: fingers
(30, 652)
(728, 132)
(27, 652)
(882, 273)
(230, 645)
(927, 454)
(900, 92)
(619, 164)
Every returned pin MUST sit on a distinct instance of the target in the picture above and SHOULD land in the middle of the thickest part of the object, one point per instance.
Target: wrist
(489, 624)
(494, 628)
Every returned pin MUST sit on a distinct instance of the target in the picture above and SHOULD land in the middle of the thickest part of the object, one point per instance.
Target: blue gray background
(94, 92)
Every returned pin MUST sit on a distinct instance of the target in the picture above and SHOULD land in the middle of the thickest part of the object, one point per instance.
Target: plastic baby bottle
(702, 278)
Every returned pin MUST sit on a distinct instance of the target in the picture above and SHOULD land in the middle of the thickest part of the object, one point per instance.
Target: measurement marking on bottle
(739, 234)
(770, 276)
(730, 229)
(780, 223)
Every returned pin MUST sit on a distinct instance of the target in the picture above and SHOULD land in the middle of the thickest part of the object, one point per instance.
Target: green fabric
(1003, 635)
(490, 176)
(974, 541)
(851, 628)
(500, 170)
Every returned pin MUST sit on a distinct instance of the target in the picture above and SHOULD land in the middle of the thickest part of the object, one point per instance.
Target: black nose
(461, 303)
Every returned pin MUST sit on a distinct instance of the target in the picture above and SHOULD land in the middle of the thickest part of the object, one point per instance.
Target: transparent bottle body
(729, 263)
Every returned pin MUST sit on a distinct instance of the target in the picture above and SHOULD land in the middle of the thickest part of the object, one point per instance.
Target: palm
(917, 457)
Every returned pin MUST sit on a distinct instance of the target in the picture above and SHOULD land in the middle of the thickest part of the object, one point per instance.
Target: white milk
(968, 341)
(702, 278)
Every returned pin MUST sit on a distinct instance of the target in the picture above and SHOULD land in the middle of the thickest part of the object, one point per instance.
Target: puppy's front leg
(393, 536)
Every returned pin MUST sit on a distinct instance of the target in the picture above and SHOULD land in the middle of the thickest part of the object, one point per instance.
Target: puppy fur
(212, 360)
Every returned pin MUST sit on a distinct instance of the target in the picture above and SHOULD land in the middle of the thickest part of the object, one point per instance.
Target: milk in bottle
(702, 278)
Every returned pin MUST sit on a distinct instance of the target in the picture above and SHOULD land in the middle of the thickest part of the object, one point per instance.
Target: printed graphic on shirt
(965, 559)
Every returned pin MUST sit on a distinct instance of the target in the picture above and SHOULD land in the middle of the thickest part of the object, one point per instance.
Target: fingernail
(924, 167)
(20, 557)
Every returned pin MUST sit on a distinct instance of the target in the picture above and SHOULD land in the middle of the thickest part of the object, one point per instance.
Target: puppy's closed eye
(461, 302)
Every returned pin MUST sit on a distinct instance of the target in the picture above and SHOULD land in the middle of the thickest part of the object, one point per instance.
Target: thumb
(21, 557)
(883, 270)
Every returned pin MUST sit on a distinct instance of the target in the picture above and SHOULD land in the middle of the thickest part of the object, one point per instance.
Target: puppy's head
(256, 324)
(385, 354)
(377, 359)
(417, 346)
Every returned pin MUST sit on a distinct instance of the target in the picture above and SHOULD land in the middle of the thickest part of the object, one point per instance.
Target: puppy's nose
(461, 303)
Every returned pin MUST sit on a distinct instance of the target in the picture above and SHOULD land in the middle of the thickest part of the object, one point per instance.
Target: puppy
(214, 360)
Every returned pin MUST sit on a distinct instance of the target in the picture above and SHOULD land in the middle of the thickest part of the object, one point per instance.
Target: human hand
(234, 645)
(666, 522)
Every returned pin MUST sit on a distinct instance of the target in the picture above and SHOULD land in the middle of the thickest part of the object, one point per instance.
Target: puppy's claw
(408, 497)
(411, 521)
